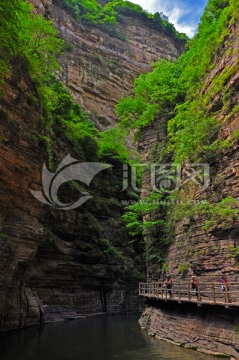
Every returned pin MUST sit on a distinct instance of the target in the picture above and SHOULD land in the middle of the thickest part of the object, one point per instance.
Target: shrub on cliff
(28, 37)
(174, 93)
(173, 90)
(106, 17)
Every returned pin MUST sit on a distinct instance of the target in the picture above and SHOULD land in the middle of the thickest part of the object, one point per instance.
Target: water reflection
(100, 338)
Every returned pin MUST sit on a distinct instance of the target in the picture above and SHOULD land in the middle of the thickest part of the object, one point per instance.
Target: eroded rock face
(52, 264)
(211, 330)
(208, 253)
(195, 250)
(98, 68)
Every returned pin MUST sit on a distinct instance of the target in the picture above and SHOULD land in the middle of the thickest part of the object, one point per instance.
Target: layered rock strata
(53, 265)
(98, 68)
(207, 329)
(211, 253)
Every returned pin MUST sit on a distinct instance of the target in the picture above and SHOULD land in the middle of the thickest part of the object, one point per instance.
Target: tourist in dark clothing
(195, 285)
(169, 285)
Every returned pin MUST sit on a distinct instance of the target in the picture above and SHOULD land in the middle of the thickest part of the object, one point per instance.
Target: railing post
(199, 294)
(214, 293)
(189, 292)
(226, 292)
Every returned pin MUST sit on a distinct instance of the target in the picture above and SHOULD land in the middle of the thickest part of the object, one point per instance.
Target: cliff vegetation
(29, 48)
(173, 94)
(107, 16)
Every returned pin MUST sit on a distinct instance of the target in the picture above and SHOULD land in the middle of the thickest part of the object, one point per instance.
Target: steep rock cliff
(205, 251)
(54, 264)
(99, 69)
(209, 253)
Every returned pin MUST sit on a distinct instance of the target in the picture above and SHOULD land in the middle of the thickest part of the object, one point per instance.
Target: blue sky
(184, 14)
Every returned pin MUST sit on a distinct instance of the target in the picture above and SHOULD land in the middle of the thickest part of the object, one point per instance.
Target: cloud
(175, 16)
(184, 14)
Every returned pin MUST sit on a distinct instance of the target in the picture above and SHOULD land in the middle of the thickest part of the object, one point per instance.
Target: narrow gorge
(58, 264)
(105, 82)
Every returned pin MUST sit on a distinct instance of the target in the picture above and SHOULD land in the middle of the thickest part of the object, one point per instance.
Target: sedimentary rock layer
(99, 68)
(207, 329)
(194, 249)
(52, 264)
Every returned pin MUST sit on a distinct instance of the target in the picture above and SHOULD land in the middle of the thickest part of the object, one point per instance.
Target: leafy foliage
(147, 218)
(224, 214)
(70, 122)
(27, 36)
(133, 217)
(155, 96)
(172, 91)
(183, 268)
(112, 143)
(28, 44)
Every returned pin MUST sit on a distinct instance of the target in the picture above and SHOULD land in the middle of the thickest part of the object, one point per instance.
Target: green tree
(156, 94)
(28, 37)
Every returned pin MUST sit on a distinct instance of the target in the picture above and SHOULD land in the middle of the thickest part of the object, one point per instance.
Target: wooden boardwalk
(208, 294)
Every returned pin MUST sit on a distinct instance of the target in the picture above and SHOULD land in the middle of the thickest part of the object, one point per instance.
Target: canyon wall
(98, 68)
(54, 264)
(209, 252)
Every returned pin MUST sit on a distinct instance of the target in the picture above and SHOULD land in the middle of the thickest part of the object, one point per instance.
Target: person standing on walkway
(225, 288)
(224, 283)
(195, 285)
(169, 285)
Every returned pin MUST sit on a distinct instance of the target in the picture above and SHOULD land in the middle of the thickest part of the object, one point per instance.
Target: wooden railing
(182, 292)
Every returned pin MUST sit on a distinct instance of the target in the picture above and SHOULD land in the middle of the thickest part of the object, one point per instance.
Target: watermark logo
(68, 170)
(169, 176)
(156, 177)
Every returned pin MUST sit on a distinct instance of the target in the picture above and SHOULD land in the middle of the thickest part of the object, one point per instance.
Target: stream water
(100, 338)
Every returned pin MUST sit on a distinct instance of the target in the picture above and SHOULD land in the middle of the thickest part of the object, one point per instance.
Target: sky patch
(184, 14)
